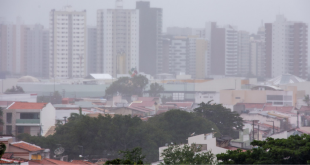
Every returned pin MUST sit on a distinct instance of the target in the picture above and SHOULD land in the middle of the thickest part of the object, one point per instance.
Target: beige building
(274, 95)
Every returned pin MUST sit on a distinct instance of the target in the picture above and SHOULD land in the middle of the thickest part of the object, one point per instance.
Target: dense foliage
(185, 154)
(294, 150)
(156, 89)
(133, 156)
(127, 86)
(105, 136)
(14, 90)
(226, 120)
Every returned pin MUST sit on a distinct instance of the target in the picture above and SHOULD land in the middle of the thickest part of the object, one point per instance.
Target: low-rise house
(208, 143)
(31, 118)
(23, 151)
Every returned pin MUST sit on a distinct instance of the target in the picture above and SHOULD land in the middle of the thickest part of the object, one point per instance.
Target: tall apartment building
(257, 53)
(150, 38)
(12, 53)
(286, 48)
(223, 47)
(243, 53)
(37, 51)
(91, 49)
(117, 40)
(186, 55)
(68, 43)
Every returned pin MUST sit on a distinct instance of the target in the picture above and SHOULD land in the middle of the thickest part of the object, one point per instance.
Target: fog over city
(154, 82)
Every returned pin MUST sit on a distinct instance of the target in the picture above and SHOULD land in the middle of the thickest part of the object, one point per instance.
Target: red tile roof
(53, 161)
(305, 108)
(279, 108)
(26, 146)
(26, 105)
(7, 155)
(81, 162)
(147, 99)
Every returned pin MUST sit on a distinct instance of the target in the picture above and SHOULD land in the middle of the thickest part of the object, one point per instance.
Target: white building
(117, 40)
(68, 43)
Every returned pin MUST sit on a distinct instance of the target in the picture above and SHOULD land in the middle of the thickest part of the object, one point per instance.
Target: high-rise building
(68, 43)
(12, 53)
(243, 53)
(91, 49)
(37, 51)
(117, 40)
(223, 51)
(257, 53)
(186, 55)
(286, 48)
(150, 38)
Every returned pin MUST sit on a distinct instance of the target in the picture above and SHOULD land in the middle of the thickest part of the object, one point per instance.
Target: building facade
(117, 40)
(243, 53)
(12, 47)
(91, 49)
(286, 48)
(68, 43)
(150, 38)
(257, 54)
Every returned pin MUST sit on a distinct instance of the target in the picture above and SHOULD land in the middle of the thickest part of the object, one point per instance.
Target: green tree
(225, 120)
(186, 154)
(293, 150)
(156, 89)
(127, 86)
(133, 156)
(181, 124)
(2, 149)
(307, 100)
(14, 89)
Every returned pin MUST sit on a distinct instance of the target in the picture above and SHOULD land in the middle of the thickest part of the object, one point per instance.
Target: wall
(47, 117)
(206, 97)
(232, 97)
(262, 119)
(219, 84)
(19, 97)
(7, 84)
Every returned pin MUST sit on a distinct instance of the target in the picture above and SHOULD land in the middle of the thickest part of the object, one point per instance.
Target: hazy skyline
(247, 15)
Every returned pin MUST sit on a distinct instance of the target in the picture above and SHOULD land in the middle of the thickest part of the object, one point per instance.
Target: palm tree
(307, 100)
(74, 116)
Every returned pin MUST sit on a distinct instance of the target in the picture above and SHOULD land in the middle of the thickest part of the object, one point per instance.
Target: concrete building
(150, 38)
(243, 53)
(31, 118)
(286, 48)
(186, 55)
(12, 47)
(37, 51)
(68, 43)
(91, 50)
(223, 47)
(257, 53)
(117, 40)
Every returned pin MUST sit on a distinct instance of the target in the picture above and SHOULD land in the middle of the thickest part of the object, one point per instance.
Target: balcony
(27, 121)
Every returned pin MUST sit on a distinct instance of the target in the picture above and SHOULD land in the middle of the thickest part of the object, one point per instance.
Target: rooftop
(285, 79)
(26, 105)
(26, 146)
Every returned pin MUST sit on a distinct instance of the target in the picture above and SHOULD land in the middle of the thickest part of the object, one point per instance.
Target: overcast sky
(246, 14)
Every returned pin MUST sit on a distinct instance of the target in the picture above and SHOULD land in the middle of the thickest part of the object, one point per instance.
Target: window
(20, 129)
(29, 115)
(274, 97)
(9, 118)
(9, 130)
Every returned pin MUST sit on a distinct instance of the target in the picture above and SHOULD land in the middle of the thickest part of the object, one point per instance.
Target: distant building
(117, 40)
(68, 43)
(286, 48)
(37, 51)
(223, 47)
(12, 47)
(91, 50)
(150, 38)
(257, 53)
(243, 53)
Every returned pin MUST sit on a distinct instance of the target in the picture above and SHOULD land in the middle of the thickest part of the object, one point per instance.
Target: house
(208, 143)
(31, 118)
(22, 150)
